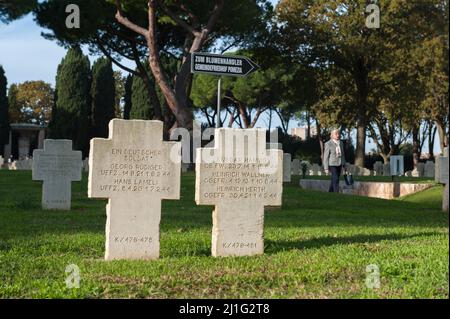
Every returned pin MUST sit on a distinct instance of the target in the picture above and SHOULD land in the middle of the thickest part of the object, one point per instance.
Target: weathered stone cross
(135, 169)
(57, 165)
(239, 176)
(443, 178)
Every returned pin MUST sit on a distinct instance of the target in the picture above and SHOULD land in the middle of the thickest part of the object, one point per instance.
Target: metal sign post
(215, 64)
(219, 99)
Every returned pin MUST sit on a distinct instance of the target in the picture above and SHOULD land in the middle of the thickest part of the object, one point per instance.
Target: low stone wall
(384, 190)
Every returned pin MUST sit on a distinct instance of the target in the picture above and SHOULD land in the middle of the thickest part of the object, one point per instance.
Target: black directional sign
(215, 64)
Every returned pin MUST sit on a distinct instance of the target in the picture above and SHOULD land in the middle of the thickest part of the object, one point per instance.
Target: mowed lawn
(317, 246)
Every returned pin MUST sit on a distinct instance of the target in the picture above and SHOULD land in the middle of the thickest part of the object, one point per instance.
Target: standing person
(334, 159)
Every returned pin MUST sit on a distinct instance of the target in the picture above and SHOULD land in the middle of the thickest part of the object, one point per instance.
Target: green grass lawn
(317, 246)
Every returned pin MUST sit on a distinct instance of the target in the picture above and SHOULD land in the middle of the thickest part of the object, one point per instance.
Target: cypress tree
(53, 130)
(103, 97)
(4, 117)
(140, 100)
(127, 98)
(13, 104)
(70, 118)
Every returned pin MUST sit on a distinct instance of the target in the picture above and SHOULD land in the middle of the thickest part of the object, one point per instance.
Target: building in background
(23, 139)
(302, 132)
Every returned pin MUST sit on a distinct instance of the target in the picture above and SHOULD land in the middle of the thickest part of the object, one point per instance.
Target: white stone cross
(287, 168)
(378, 168)
(295, 166)
(397, 165)
(135, 170)
(58, 166)
(239, 176)
(443, 178)
(429, 169)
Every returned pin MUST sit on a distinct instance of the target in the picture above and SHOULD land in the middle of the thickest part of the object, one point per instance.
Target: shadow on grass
(301, 208)
(276, 246)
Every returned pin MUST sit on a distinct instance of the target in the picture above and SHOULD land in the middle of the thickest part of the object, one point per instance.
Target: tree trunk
(321, 143)
(231, 120)
(183, 82)
(383, 147)
(308, 125)
(176, 97)
(360, 142)
(270, 119)
(256, 116)
(244, 115)
(361, 75)
(416, 145)
(443, 139)
(385, 158)
(180, 111)
(431, 135)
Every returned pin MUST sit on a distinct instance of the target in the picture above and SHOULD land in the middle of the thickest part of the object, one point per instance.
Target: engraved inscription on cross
(239, 176)
(57, 165)
(135, 170)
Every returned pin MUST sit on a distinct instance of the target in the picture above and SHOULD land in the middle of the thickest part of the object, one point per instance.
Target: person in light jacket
(334, 159)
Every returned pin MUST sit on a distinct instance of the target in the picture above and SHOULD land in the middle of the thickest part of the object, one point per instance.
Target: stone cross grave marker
(443, 178)
(378, 168)
(1, 161)
(443, 170)
(429, 169)
(135, 170)
(397, 165)
(58, 166)
(287, 167)
(387, 169)
(437, 168)
(295, 166)
(419, 171)
(22, 164)
(316, 169)
(239, 176)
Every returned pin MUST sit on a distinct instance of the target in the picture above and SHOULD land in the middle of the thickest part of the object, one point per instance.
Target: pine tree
(127, 98)
(103, 97)
(73, 99)
(4, 118)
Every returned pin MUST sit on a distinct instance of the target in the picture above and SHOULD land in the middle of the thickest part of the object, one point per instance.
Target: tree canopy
(70, 116)
(14, 9)
(368, 74)
(103, 97)
(119, 30)
(31, 102)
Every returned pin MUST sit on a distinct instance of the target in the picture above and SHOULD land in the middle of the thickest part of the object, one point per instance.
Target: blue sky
(26, 55)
